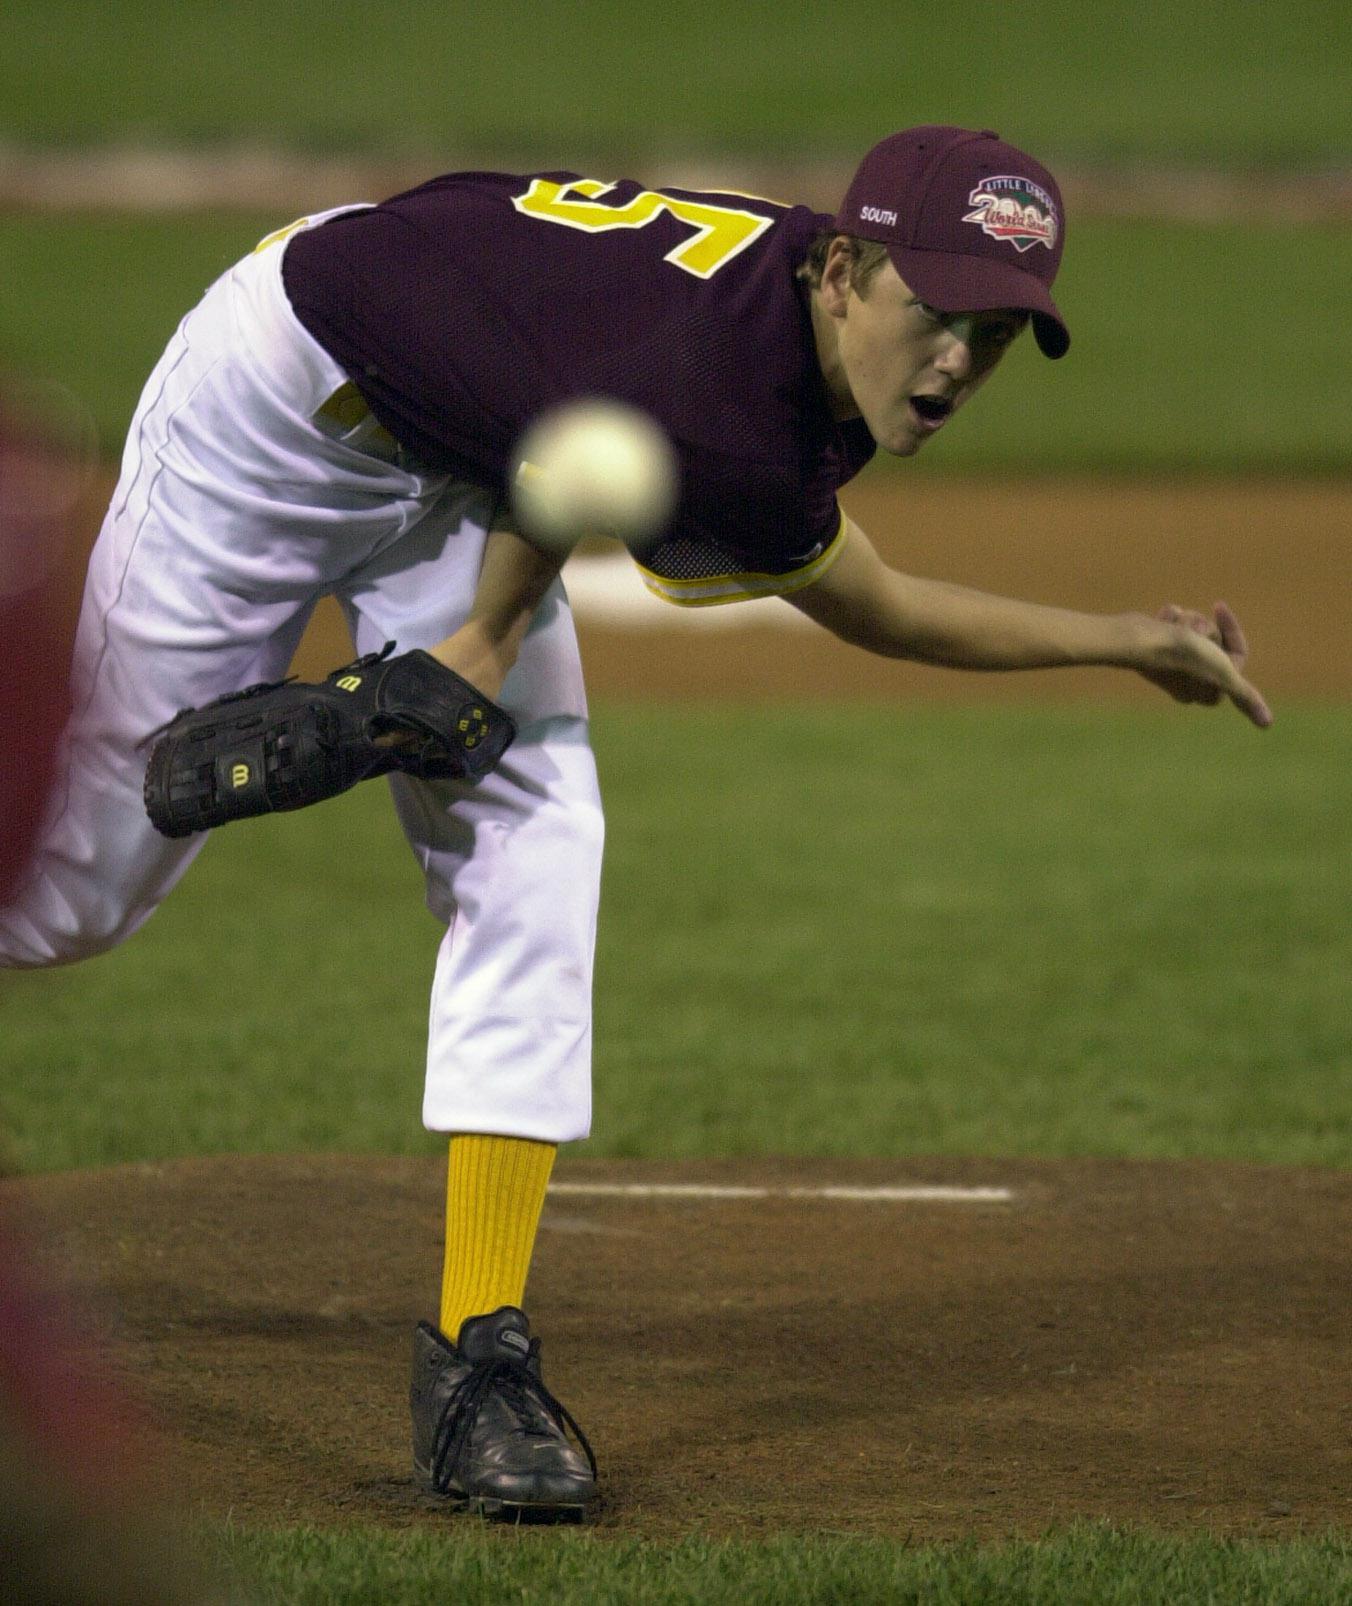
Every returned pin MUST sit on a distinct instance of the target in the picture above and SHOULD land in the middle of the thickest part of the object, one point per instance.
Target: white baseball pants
(239, 505)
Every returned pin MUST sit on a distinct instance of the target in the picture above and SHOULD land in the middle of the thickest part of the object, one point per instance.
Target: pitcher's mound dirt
(1152, 1343)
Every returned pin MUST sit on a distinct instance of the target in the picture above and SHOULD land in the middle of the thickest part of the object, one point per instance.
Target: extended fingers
(1249, 700)
(1232, 635)
(1191, 682)
(1246, 697)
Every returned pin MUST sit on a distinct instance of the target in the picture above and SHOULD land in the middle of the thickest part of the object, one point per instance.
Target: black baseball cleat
(487, 1433)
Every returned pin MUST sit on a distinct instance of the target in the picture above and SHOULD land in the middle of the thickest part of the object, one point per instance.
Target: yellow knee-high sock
(495, 1190)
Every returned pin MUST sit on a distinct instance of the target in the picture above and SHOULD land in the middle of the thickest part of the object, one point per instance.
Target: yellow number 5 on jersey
(721, 231)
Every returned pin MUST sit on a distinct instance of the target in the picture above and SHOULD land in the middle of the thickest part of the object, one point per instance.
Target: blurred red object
(55, 1396)
(83, 1519)
(46, 457)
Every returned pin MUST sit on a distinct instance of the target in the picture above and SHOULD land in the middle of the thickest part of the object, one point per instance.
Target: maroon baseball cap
(969, 222)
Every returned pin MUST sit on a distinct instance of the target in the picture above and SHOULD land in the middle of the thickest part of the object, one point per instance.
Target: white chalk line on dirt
(912, 1194)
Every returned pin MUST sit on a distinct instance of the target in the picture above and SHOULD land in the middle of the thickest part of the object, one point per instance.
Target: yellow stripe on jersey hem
(721, 588)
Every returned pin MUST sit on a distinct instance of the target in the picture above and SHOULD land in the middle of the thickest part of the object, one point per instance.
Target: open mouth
(932, 410)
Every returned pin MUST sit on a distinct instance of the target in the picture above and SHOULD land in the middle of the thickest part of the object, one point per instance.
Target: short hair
(866, 257)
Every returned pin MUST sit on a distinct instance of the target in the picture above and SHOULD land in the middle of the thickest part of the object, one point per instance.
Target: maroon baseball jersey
(463, 308)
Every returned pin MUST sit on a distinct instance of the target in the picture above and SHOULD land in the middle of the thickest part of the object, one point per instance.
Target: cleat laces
(524, 1394)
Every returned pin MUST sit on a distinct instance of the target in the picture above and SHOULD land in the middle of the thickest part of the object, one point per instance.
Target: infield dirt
(1146, 1343)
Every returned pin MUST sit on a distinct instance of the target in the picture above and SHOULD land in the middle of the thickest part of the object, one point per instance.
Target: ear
(835, 286)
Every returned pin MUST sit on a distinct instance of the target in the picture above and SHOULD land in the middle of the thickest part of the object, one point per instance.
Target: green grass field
(1188, 80)
(1088, 1566)
(884, 931)
(1196, 348)
(876, 930)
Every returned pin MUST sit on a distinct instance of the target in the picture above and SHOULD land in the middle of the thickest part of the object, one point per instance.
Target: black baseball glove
(286, 743)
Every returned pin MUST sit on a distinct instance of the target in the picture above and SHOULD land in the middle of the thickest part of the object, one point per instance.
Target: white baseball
(593, 468)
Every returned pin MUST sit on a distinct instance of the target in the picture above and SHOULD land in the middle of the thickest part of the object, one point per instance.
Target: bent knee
(45, 930)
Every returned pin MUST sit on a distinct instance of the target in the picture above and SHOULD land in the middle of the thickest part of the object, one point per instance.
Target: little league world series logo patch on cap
(1013, 209)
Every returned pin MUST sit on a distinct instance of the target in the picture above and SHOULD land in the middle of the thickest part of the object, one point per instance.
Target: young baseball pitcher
(339, 416)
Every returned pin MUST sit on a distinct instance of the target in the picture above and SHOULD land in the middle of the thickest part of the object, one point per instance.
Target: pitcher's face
(902, 366)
